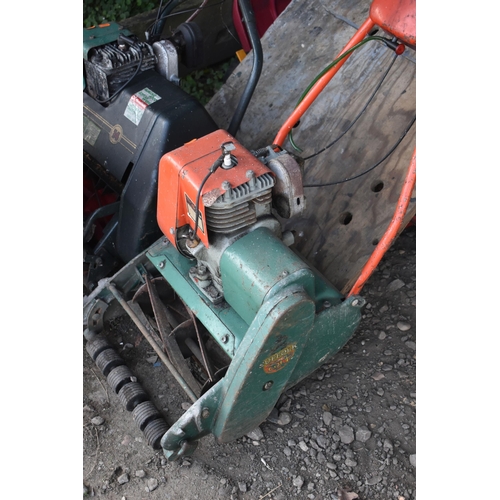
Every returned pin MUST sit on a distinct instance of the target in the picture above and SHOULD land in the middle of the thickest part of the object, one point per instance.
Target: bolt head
(192, 243)
(268, 385)
(161, 264)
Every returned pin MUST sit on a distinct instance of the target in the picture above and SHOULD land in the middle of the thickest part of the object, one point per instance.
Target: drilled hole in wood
(377, 186)
(345, 218)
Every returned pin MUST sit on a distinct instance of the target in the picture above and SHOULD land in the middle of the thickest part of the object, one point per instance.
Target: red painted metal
(266, 12)
(96, 195)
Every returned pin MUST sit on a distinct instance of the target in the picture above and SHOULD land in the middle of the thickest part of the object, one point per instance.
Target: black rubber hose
(158, 26)
(258, 59)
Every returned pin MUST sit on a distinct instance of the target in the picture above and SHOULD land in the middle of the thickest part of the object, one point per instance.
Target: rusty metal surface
(164, 321)
(288, 192)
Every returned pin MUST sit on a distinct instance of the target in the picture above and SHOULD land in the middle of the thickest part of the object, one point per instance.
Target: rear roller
(96, 346)
(154, 431)
(107, 360)
(144, 413)
(119, 376)
(131, 395)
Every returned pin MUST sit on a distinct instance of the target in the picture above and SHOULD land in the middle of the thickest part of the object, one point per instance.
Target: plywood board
(343, 222)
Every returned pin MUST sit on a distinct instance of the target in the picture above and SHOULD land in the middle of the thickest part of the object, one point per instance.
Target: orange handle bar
(393, 229)
(321, 84)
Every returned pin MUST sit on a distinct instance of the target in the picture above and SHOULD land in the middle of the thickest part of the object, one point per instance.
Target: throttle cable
(377, 88)
(389, 153)
(390, 43)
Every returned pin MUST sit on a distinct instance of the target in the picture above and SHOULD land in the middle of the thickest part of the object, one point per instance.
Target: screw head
(161, 264)
(225, 339)
(268, 385)
(326, 304)
(205, 413)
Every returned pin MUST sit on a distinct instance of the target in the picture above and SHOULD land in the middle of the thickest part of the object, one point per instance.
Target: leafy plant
(204, 83)
(99, 11)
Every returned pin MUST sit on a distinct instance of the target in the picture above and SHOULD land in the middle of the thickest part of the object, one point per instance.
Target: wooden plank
(342, 222)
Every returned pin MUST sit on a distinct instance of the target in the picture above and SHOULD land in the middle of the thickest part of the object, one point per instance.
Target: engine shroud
(230, 200)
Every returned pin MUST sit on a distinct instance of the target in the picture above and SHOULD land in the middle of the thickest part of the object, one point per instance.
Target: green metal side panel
(220, 320)
(97, 36)
(333, 327)
(263, 364)
(258, 266)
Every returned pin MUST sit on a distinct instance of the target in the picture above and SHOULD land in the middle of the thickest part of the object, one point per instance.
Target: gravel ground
(346, 432)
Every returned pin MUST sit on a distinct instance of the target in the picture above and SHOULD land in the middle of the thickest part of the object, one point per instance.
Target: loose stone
(346, 435)
(152, 484)
(123, 479)
(322, 441)
(303, 446)
(403, 326)
(255, 435)
(395, 285)
(363, 434)
(411, 345)
(327, 418)
(298, 482)
(284, 418)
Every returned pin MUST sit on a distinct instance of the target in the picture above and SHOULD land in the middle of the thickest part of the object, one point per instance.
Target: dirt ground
(346, 432)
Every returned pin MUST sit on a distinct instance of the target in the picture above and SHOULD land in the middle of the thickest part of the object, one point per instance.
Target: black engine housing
(123, 143)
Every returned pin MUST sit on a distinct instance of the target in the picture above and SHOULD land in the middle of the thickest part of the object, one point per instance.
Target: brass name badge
(277, 361)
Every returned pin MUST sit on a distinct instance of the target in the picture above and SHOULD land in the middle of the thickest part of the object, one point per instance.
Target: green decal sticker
(138, 103)
(90, 131)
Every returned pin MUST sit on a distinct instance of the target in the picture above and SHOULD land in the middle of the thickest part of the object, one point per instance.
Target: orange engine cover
(181, 172)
